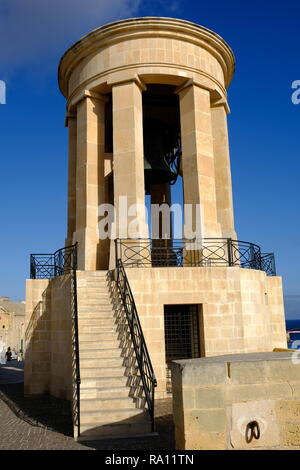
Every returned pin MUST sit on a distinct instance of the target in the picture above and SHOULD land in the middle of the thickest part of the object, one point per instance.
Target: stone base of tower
(239, 310)
(184, 312)
(110, 401)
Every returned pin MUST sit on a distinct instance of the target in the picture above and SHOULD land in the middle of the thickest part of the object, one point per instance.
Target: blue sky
(263, 125)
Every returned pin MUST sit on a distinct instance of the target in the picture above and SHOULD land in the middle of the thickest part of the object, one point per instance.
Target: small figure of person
(8, 354)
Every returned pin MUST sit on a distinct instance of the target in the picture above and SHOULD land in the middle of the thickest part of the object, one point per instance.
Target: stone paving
(45, 423)
(12, 372)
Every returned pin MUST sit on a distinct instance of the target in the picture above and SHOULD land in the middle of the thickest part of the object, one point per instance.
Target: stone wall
(241, 309)
(12, 319)
(48, 361)
(215, 400)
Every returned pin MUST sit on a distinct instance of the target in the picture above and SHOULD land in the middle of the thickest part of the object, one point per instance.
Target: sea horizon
(293, 324)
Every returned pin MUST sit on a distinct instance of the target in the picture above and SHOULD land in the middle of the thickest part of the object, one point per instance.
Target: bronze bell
(161, 153)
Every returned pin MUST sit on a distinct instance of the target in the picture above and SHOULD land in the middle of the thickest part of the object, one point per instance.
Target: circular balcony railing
(208, 252)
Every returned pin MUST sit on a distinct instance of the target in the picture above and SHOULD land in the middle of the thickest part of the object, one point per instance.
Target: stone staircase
(111, 403)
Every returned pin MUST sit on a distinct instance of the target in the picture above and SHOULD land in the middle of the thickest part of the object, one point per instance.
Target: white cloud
(36, 31)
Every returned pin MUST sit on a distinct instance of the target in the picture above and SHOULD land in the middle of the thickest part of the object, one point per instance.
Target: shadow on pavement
(165, 439)
(55, 414)
(46, 411)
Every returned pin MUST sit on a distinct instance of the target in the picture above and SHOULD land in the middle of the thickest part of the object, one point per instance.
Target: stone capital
(82, 95)
(68, 117)
(216, 98)
(122, 81)
(221, 102)
(189, 83)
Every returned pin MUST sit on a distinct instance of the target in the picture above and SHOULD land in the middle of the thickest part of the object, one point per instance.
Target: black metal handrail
(141, 352)
(268, 263)
(48, 266)
(208, 252)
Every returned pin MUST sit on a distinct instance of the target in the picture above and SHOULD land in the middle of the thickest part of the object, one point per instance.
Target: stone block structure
(146, 109)
(237, 402)
(12, 324)
(48, 359)
(232, 305)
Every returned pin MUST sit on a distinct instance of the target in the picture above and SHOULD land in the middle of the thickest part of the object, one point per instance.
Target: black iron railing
(141, 352)
(268, 263)
(209, 252)
(47, 266)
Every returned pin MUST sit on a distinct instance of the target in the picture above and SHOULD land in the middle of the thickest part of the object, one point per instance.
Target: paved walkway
(45, 423)
(12, 372)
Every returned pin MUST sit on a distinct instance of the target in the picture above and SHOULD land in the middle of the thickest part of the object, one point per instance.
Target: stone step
(83, 308)
(101, 329)
(108, 361)
(92, 284)
(112, 416)
(88, 279)
(97, 404)
(103, 315)
(95, 273)
(100, 353)
(97, 321)
(104, 382)
(100, 288)
(109, 392)
(110, 371)
(105, 335)
(94, 280)
(103, 362)
(97, 290)
(91, 300)
(95, 295)
(101, 344)
(94, 432)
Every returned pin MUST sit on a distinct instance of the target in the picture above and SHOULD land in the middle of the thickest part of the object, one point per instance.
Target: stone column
(222, 171)
(128, 159)
(72, 126)
(198, 157)
(90, 191)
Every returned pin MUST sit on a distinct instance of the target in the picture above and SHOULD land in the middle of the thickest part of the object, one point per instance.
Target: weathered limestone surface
(121, 59)
(111, 402)
(90, 191)
(122, 49)
(129, 153)
(215, 399)
(48, 349)
(71, 121)
(222, 170)
(198, 157)
(103, 77)
(238, 308)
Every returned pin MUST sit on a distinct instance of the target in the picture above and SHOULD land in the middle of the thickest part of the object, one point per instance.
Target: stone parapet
(240, 310)
(238, 401)
(48, 349)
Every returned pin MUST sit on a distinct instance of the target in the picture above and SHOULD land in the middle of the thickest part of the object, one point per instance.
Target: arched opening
(162, 157)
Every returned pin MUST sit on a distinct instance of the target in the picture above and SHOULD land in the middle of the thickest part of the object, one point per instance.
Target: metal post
(230, 254)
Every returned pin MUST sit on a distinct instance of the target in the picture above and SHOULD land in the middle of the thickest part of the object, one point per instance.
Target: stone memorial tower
(141, 88)
(146, 111)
